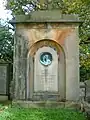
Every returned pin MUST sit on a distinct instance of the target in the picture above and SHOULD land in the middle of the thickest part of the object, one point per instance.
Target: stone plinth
(47, 104)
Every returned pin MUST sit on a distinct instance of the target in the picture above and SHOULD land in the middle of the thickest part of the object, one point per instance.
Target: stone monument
(46, 57)
(4, 81)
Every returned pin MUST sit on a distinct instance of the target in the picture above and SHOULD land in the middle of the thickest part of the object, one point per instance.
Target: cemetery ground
(9, 112)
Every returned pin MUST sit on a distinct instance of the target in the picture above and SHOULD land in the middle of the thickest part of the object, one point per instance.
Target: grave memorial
(46, 57)
(4, 81)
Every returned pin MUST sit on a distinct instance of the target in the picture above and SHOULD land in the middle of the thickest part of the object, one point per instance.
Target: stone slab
(46, 77)
(46, 16)
(46, 104)
(3, 98)
(3, 79)
(87, 83)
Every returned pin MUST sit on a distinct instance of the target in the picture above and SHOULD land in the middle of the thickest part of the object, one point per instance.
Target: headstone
(4, 83)
(87, 83)
(3, 79)
(82, 91)
(46, 70)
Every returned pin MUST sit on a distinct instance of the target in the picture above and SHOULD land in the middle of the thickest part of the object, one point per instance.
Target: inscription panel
(46, 80)
(46, 77)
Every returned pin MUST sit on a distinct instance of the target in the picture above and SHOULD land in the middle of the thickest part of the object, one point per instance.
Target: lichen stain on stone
(58, 35)
(61, 35)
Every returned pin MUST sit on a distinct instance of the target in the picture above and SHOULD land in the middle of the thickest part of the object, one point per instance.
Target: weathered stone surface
(47, 104)
(46, 16)
(20, 63)
(4, 78)
(3, 98)
(29, 38)
(46, 78)
(82, 91)
(87, 83)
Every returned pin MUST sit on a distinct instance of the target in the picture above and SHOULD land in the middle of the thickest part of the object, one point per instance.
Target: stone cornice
(46, 16)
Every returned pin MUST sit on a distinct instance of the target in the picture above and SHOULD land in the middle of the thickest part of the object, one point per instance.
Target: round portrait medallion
(46, 58)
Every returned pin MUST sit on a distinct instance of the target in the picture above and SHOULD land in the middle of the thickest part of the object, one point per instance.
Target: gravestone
(46, 79)
(82, 91)
(4, 81)
(46, 57)
(87, 84)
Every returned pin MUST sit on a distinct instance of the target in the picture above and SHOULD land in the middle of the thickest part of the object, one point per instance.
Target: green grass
(16, 113)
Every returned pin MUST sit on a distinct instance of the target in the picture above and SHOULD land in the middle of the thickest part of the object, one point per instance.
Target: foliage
(85, 62)
(26, 6)
(40, 114)
(80, 7)
(6, 44)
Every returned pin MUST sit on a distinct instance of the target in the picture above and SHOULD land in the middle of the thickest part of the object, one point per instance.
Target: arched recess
(36, 91)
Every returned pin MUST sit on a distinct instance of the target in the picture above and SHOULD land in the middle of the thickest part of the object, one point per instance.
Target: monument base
(3, 98)
(46, 104)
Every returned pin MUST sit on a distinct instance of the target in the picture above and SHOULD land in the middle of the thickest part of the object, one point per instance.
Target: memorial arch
(46, 57)
(46, 71)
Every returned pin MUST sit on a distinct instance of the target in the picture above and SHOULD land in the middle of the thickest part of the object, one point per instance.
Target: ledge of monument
(47, 104)
(46, 16)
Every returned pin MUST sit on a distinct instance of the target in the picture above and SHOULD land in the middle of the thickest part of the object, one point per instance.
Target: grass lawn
(15, 113)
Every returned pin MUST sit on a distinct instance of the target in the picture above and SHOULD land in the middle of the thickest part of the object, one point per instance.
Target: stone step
(46, 104)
